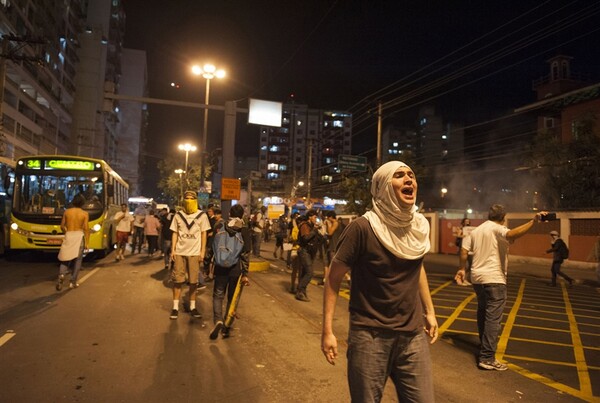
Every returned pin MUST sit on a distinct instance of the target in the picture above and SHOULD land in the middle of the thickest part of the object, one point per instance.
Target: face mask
(190, 206)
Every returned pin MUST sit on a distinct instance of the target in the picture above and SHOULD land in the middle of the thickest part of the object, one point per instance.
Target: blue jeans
(307, 269)
(137, 239)
(73, 265)
(491, 299)
(222, 284)
(376, 354)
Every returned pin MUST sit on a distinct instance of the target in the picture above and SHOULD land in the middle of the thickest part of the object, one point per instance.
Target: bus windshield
(52, 194)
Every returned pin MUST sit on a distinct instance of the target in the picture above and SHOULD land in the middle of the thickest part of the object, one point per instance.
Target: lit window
(273, 167)
(444, 137)
(263, 148)
(272, 175)
(274, 149)
(395, 144)
(338, 123)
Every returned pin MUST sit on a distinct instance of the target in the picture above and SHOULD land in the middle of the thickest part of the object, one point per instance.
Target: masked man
(189, 247)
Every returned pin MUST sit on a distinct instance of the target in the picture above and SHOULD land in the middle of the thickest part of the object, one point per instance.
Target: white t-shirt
(189, 232)
(489, 247)
(260, 220)
(125, 224)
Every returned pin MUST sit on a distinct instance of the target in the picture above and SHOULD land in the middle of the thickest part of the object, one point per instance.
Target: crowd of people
(392, 317)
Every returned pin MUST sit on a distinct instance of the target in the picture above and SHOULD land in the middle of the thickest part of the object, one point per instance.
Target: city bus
(44, 187)
(7, 177)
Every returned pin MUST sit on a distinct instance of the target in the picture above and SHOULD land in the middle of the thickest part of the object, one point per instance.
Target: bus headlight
(96, 228)
(15, 227)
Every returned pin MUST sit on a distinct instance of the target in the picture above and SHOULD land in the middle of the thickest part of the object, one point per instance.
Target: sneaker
(194, 312)
(300, 296)
(73, 285)
(59, 283)
(225, 332)
(174, 314)
(492, 365)
(215, 332)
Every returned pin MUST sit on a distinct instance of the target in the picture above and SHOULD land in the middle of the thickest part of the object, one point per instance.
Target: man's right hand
(329, 347)
(460, 276)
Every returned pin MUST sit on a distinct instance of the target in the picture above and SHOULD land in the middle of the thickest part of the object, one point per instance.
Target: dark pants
(152, 243)
(306, 261)
(491, 299)
(137, 239)
(223, 284)
(556, 272)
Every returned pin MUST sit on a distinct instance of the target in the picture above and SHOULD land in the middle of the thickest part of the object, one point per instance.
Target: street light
(179, 172)
(208, 71)
(187, 148)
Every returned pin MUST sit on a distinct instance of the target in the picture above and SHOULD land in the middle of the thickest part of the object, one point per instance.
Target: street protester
(392, 317)
(489, 245)
(124, 230)
(309, 240)
(74, 225)
(560, 252)
(189, 228)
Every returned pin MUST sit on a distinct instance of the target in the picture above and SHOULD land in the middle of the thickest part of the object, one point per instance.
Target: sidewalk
(583, 273)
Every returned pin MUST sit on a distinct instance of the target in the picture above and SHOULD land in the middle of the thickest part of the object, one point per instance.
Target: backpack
(564, 251)
(227, 248)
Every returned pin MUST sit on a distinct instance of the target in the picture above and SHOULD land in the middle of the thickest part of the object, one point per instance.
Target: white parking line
(7, 336)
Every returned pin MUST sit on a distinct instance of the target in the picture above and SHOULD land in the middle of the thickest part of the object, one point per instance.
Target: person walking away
(74, 225)
(167, 235)
(208, 267)
(293, 261)
(559, 252)
(124, 229)
(151, 231)
(188, 248)
(309, 240)
(489, 245)
(392, 318)
(139, 215)
(226, 278)
(280, 229)
(258, 225)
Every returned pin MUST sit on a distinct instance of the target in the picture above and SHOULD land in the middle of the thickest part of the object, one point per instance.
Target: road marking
(6, 337)
(448, 322)
(90, 274)
(510, 321)
(582, 369)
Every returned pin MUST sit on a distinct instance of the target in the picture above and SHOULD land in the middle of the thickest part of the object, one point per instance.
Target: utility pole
(309, 173)
(379, 117)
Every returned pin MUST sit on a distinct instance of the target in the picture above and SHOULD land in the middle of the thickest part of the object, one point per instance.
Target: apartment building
(305, 148)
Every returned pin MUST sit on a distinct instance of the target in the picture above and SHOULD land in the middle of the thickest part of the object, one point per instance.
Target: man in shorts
(189, 228)
(124, 221)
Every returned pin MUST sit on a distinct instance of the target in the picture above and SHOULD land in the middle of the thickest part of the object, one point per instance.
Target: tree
(171, 184)
(569, 173)
(358, 193)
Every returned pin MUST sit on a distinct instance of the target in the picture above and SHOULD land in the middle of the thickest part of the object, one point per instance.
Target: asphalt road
(111, 340)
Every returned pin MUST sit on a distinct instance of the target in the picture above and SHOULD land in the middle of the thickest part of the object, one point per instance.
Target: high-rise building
(39, 58)
(57, 60)
(305, 148)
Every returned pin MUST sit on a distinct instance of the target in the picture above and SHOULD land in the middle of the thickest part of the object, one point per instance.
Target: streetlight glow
(187, 147)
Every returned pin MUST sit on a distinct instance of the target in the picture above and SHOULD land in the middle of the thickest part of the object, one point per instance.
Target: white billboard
(264, 113)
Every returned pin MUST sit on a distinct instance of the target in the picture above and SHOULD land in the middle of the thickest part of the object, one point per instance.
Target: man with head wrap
(391, 311)
(188, 249)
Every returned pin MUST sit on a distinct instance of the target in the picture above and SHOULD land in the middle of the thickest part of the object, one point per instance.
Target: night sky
(474, 60)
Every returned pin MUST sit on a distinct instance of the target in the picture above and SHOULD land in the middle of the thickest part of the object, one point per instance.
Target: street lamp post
(179, 172)
(208, 71)
(187, 148)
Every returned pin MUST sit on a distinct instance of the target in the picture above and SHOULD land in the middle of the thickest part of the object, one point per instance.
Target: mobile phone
(549, 217)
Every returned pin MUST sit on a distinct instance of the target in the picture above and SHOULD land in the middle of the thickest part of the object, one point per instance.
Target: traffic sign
(230, 189)
(352, 162)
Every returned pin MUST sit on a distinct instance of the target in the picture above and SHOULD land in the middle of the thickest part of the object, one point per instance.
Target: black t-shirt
(385, 288)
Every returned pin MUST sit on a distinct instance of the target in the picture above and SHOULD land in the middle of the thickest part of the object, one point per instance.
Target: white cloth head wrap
(402, 230)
